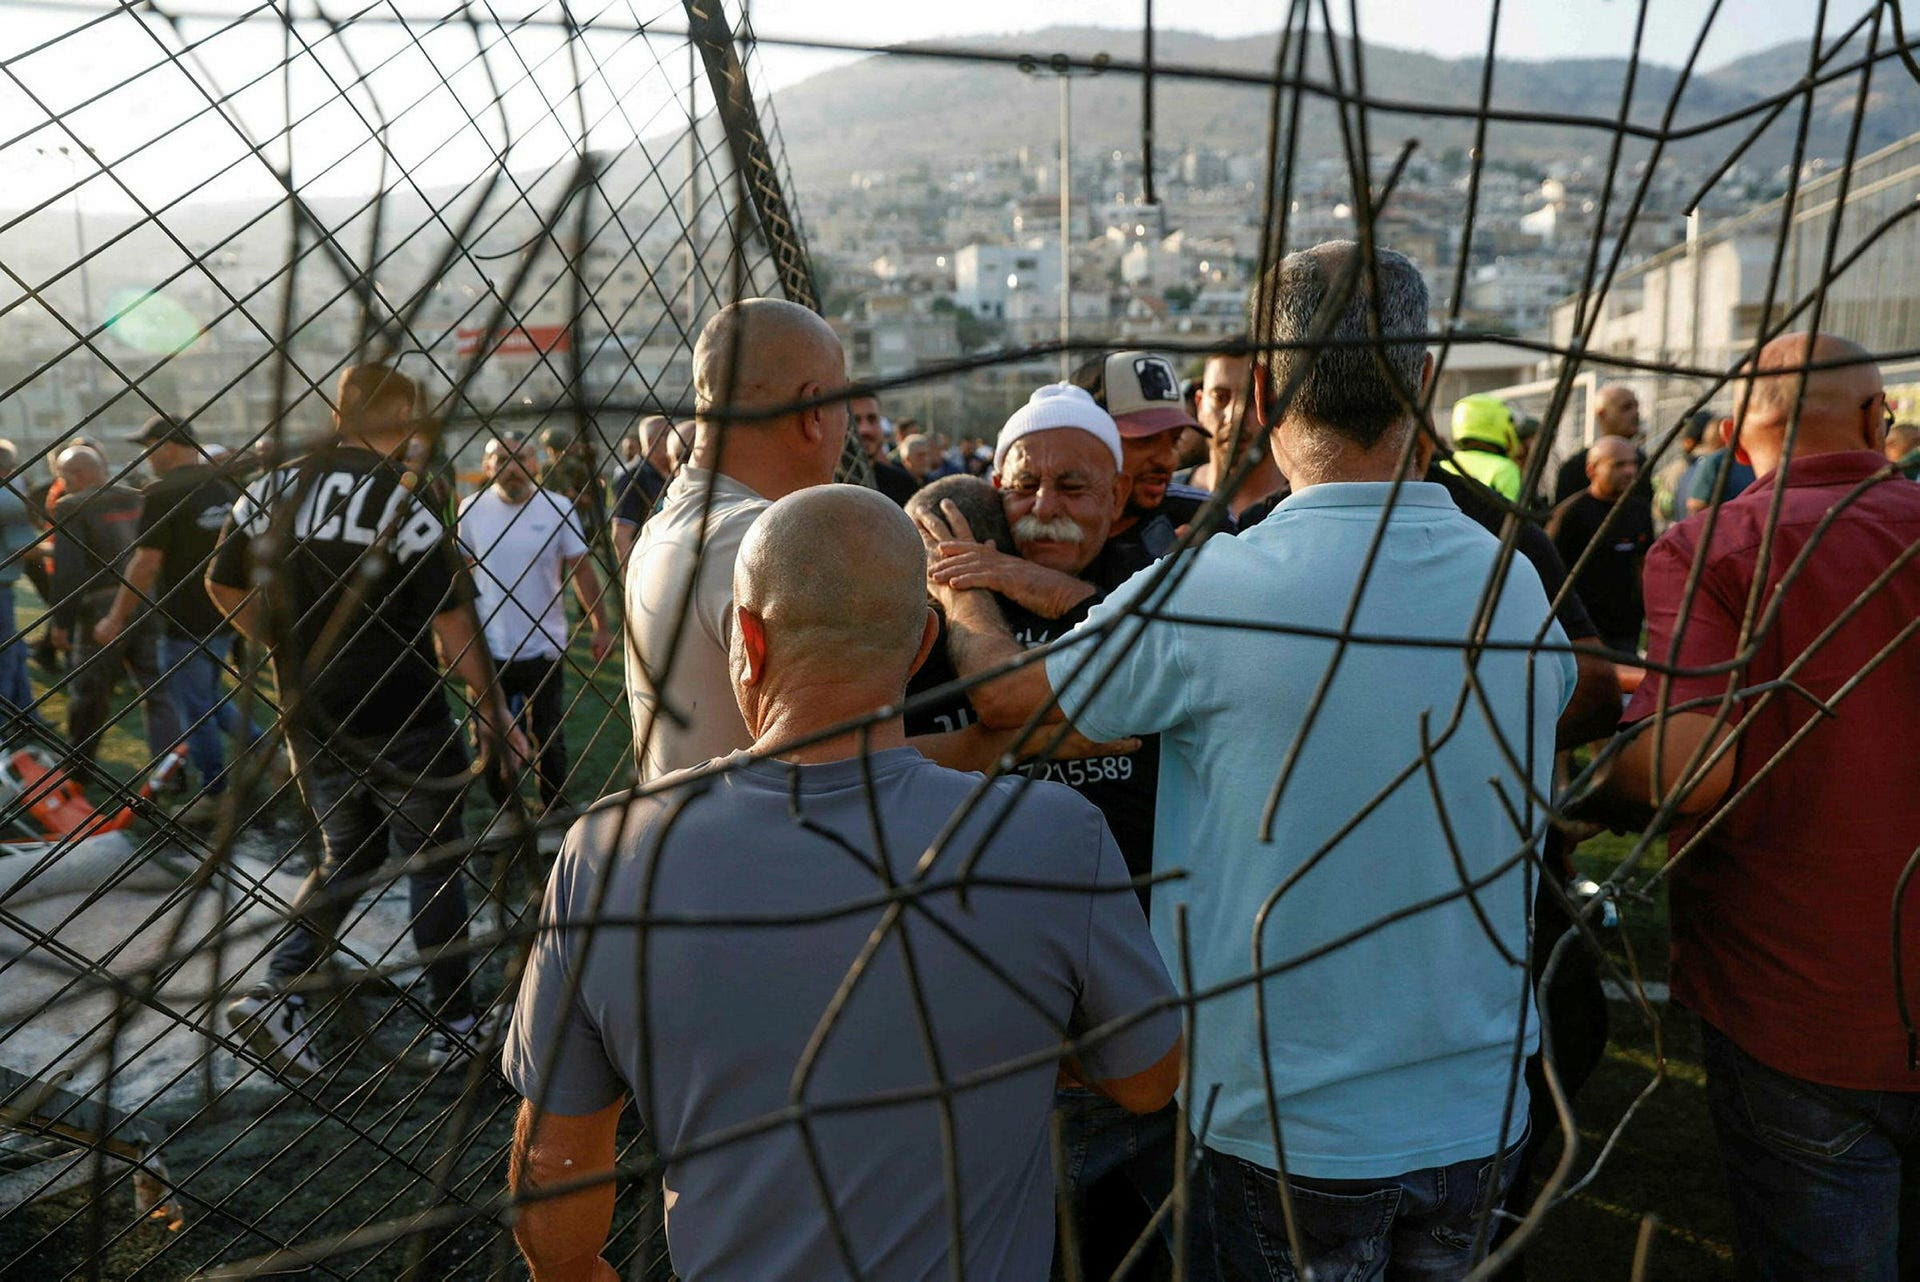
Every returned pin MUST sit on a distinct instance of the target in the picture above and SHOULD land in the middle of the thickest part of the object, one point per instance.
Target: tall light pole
(72, 162)
(1062, 66)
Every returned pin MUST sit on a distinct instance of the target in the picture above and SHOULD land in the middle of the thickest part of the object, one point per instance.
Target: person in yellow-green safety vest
(1485, 444)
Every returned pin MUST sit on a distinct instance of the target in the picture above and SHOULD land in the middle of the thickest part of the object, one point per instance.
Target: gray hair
(977, 500)
(9, 455)
(1357, 389)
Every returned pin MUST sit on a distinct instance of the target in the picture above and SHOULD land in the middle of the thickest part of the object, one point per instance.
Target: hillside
(892, 109)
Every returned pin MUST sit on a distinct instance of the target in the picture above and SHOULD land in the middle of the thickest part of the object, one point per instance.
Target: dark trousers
(1119, 1169)
(1419, 1226)
(1813, 1172)
(97, 671)
(1574, 1010)
(536, 697)
(367, 815)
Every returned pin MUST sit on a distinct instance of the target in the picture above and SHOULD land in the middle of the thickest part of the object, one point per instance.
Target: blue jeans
(1813, 1171)
(206, 710)
(1419, 1225)
(1099, 1139)
(15, 692)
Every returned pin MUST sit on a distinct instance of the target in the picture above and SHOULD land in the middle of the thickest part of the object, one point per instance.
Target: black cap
(164, 427)
(1695, 428)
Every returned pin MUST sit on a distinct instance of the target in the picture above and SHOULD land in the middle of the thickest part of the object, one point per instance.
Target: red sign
(521, 340)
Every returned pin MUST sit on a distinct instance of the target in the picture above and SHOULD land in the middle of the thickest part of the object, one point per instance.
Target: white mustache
(1061, 529)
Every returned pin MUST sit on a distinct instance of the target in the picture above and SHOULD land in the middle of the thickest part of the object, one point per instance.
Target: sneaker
(202, 812)
(274, 1026)
(506, 831)
(457, 1040)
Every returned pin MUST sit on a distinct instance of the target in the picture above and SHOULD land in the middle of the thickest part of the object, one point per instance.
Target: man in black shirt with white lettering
(349, 580)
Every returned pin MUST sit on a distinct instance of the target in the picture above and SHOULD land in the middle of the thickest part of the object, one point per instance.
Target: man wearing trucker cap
(1142, 393)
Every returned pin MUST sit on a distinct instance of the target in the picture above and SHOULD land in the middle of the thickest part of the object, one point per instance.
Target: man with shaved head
(1797, 812)
(1609, 517)
(757, 365)
(640, 483)
(1616, 412)
(95, 523)
(721, 1023)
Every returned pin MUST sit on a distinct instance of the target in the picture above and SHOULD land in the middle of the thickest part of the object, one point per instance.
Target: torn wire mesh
(531, 215)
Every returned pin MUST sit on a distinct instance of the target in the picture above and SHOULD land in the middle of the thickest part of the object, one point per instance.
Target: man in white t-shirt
(525, 544)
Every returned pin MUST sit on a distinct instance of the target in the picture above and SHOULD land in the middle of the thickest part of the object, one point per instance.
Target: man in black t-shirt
(639, 484)
(349, 581)
(1057, 465)
(1059, 488)
(181, 513)
(1609, 582)
(93, 531)
(889, 477)
(1616, 413)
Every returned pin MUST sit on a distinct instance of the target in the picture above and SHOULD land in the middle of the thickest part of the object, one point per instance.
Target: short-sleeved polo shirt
(1392, 1047)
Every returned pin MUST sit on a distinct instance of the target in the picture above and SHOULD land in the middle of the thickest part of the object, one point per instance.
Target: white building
(1003, 282)
(1703, 304)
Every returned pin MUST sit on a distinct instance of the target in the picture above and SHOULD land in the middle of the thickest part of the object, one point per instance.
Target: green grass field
(259, 1159)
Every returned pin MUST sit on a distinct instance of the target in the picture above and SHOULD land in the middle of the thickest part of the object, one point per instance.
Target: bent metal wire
(577, 189)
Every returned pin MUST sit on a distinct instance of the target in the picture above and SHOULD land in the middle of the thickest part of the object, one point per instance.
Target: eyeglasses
(1887, 420)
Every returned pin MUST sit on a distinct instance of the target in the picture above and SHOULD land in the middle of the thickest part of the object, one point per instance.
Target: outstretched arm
(1630, 790)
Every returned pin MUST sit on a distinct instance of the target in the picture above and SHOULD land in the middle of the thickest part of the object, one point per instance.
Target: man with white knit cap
(1058, 466)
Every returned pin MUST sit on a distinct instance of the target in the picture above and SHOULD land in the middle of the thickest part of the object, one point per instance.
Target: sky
(138, 127)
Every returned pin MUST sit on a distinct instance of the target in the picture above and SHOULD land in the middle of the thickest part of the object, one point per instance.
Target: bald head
(1840, 405)
(1616, 411)
(757, 366)
(1612, 464)
(835, 576)
(755, 355)
(80, 468)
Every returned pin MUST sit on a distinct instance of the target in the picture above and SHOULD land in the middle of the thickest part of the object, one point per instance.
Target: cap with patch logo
(1140, 389)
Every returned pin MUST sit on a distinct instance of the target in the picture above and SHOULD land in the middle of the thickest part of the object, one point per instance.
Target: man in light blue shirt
(1353, 821)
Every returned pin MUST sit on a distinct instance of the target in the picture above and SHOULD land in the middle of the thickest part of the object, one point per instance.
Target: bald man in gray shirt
(776, 972)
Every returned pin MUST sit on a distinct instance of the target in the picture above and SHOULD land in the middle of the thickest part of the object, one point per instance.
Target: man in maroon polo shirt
(1792, 837)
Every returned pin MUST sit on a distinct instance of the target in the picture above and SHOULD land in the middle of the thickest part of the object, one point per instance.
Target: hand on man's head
(948, 525)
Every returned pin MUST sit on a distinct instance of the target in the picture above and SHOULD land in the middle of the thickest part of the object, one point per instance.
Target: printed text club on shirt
(335, 509)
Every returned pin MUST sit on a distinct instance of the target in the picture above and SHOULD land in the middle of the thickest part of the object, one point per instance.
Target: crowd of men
(1253, 683)
(1328, 824)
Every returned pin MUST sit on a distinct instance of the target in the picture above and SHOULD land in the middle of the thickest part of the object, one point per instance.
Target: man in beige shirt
(755, 359)
(754, 356)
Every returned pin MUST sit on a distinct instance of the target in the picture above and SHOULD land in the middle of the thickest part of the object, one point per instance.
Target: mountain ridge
(894, 108)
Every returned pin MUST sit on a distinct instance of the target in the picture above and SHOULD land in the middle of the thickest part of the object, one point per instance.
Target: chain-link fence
(478, 248)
